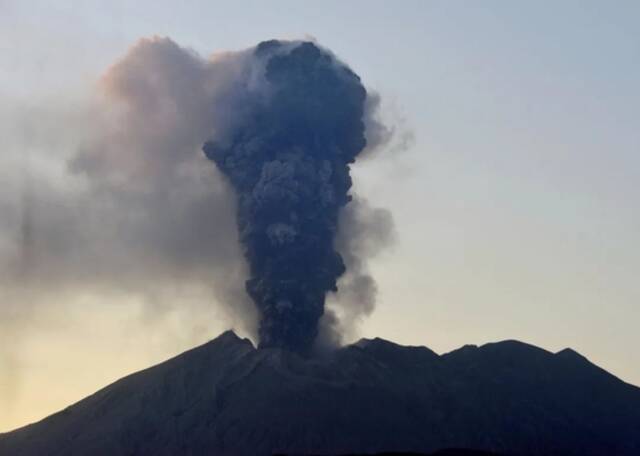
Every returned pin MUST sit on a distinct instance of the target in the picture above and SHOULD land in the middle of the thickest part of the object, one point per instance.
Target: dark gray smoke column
(288, 161)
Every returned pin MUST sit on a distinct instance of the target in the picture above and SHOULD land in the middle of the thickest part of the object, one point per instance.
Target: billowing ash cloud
(121, 203)
(363, 233)
(288, 160)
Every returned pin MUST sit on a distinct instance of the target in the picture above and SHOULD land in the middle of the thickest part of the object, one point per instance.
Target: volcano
(228, 398)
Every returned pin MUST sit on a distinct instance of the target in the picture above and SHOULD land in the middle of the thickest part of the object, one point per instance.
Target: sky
(512, 180)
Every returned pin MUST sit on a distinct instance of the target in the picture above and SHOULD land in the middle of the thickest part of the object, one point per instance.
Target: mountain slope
(226, 397)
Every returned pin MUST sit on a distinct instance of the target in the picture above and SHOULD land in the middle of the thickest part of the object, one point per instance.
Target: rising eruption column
(288, 160)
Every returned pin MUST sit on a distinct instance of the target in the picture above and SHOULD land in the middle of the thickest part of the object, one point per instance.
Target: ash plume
(288, 160)
(364, 232)
(120, 203)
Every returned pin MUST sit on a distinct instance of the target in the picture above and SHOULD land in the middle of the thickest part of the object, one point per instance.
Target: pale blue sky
(516, 206)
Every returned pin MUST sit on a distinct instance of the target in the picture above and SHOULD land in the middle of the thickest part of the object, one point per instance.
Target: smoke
(120, 199)
(117, 197)
(288, 159)
(364, 233)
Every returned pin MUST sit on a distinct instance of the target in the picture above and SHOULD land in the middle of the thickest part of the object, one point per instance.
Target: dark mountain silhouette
(226, 397)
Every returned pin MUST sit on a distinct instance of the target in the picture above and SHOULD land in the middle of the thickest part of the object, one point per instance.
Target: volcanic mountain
(227, 397)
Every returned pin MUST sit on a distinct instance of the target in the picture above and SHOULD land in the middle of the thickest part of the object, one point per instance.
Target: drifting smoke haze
(144, 212)
(133, 207)
(363, 233)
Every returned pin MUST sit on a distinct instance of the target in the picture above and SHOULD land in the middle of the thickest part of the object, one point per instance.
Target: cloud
(364, 232)
(110, 195)
(114, 193)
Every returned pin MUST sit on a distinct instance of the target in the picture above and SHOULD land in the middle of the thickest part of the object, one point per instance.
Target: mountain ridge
(227, 397)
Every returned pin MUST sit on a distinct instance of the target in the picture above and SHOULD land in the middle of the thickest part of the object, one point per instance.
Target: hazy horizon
(511, 181)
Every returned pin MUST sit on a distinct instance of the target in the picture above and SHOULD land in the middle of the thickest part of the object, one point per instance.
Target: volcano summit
(228, 398)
